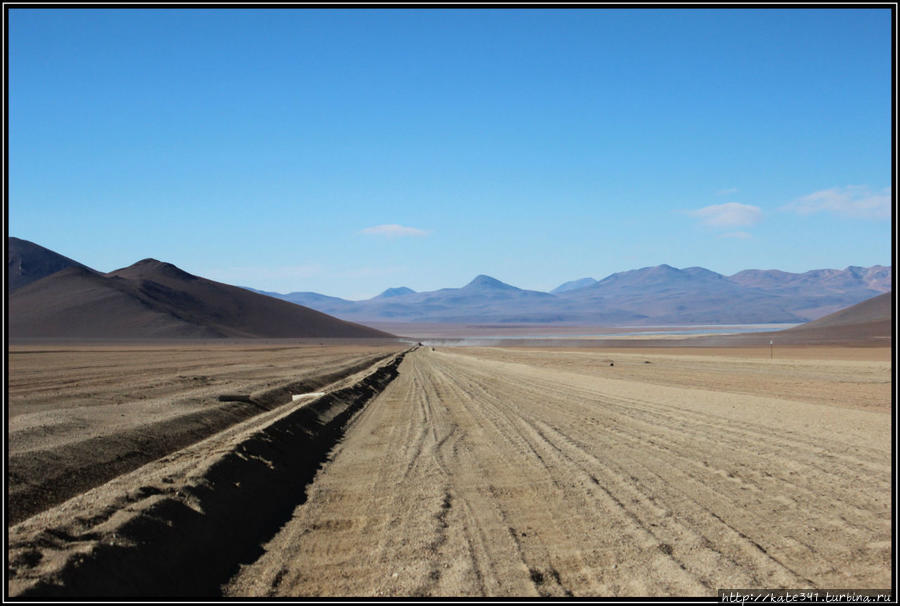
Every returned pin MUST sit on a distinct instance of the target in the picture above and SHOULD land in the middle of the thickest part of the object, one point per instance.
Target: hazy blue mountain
(574, 285)
(873, 279)
(394, 292)
(302, 298)
(313, 300)
(484, 299)
(820, 291)
(651, 295)
(667, 295)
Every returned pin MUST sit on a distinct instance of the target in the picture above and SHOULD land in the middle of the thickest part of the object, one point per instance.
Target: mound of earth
(152, 299)
(870, 319)
(28, 262)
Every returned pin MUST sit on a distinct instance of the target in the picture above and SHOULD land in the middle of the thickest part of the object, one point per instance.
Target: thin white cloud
(740, 235)
(727, 191)
(730, 214)
(856, 201)
(394, 231)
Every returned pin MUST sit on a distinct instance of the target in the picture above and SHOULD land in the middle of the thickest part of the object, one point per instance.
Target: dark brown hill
(151, 299)
(866, 324)
(868, 320)
(28, 262)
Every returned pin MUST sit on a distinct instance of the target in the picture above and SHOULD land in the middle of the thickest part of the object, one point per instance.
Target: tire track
(848, 528)
(475, 477)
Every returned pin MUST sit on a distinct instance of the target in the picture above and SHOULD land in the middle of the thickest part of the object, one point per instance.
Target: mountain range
(53, 295)
(652, 295)
(56, 297)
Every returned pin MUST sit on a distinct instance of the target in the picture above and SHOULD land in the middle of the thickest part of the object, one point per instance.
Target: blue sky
(346, 151)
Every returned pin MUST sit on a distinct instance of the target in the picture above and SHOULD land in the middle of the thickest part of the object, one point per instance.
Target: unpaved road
(481, 472)
(476, 476)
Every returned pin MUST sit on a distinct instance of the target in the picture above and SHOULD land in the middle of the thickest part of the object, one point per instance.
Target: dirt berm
(182, 525)
(47, 474)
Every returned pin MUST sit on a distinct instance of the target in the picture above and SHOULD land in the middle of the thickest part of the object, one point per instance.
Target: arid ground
(472, 472)
(81, 414)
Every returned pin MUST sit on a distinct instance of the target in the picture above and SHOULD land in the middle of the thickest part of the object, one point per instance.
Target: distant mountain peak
(702, 272)
(151, 263)
(574, 285)
(652, 270)
(482, 281)
(28, 262)
(864, 280)
(395, 292)
(151, 266)
(663, 267)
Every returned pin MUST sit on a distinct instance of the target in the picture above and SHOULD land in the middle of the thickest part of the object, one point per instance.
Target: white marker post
(771, 354)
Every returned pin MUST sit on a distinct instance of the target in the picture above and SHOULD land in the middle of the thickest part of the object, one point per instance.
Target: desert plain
(446, 471)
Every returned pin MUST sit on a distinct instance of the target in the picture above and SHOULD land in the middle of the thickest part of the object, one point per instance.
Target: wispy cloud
(730, 214)
(727, 191)
(857, 201)
(740, 235)
(394, 231)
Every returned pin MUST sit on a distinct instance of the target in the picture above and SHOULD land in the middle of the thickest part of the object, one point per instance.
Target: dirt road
(484, 477)
(492, 472)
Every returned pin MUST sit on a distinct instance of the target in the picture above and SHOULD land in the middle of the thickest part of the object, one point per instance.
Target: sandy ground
(179, 525)
(426, 330)
(836, 376)
(475, 475)
(499, 472)
(81, 414)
